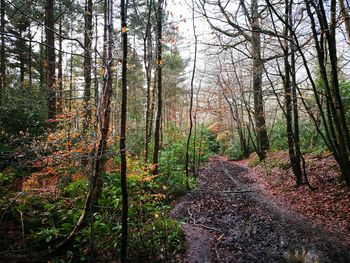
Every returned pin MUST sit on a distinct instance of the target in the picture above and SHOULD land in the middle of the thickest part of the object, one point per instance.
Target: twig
(22, 223)
(216, 247)
(10, 203)
(207, 227)
(201, 225)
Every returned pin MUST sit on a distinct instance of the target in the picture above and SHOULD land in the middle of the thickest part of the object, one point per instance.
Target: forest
(175, 131)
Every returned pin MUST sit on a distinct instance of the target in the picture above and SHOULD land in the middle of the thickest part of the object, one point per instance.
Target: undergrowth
(54, 195)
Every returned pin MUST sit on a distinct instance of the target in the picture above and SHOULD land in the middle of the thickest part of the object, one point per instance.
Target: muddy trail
(229, 219)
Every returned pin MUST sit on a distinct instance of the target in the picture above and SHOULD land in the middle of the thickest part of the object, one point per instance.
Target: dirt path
(227, 219)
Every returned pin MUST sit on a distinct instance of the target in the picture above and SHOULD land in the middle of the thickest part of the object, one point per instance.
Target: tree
(50, 59)
(87, 63)
(144, 12)
(122, 145)
(60, 63)
(291, 105)
(19, 27)
(337, 125)
(344, 12)
(99, 159)
(2, 53)
(148, 63)
(159, 86)
(233, 92)
(262, 139)
(191, 97)
(336, 134)
(229, 27)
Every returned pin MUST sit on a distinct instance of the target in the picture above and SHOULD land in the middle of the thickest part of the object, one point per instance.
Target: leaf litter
(235, 216)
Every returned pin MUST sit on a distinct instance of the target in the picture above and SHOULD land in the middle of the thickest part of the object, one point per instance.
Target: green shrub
(234, 151)
(344, 89)
(213, 145)
(310, 140)
(278, 136)
(24, 111)
(153, 236)
(6, 179)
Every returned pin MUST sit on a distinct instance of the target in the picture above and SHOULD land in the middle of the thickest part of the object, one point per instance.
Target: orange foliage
(64, 160)
(149, 178)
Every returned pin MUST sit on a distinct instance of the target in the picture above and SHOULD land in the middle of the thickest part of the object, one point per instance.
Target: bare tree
(148, 63)
(191, 97)
(159, 86)
(87, 63)
(291, 110)
(251, 35)
(124, 238)
(2, 52)
(344, 12)
(103, 122)
(336, 134)
(59, 65)
(50, 58)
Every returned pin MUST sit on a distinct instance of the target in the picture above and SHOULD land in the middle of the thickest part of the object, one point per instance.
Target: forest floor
(235, 217)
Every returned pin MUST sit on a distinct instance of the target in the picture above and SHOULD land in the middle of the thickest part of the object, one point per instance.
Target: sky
(180, 11)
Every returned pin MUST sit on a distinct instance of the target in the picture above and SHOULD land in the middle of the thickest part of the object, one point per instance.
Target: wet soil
(229, 219)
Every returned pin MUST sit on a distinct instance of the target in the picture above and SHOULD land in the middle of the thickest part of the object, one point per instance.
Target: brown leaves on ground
(327, 207)
(247, 224)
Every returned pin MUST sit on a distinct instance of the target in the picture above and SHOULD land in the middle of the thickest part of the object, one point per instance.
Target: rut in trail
(227, 219)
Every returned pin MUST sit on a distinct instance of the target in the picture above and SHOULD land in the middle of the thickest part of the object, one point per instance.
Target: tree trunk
(71, 90)
(60, 67)
(338, 129)
(101, 142)
(104, 119)
(2, 53)
(124, 239)
(147, 58)
(153, 104)
(50, 59)
(259, 114)
(200, 146)
(341, 124)
(288, 103)
(194, 158)
(87, 64)
(159, 88)
(104, 53)
(296, 137)
(191, 97)
(95, 67)
(30, 63)
(336, 134)
(41, 66)
(345, 15)
(22, 58)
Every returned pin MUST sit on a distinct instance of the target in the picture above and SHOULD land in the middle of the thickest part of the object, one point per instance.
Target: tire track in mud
(227, 219)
